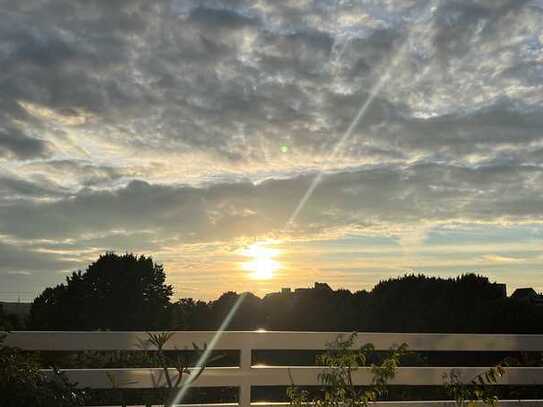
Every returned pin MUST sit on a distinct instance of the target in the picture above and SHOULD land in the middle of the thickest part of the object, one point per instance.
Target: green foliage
(95, 359)
(341, 361)
(9, 322)
(22, 383)
(114, 293)
(478, 389)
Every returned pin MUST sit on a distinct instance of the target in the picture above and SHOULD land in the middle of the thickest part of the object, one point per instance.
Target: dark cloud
(390, 196)
(84, 172)
(17, 259)
(460, 134)
(15, 144)
(11, 187)
(458, 22)
(213, 19)
(219, 66)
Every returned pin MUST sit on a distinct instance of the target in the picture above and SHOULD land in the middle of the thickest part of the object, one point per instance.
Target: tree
(188, 314)
(8, 322)
(247, 317)
(115, 293)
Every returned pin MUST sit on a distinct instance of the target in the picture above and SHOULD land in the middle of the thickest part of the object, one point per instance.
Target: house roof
(524, 292)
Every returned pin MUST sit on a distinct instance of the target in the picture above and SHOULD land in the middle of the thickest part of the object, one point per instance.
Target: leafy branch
(181, 362)
(341, 361)
(478, 389)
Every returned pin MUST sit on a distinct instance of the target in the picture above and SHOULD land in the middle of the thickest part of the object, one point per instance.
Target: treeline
(413, 303)
(129, 293)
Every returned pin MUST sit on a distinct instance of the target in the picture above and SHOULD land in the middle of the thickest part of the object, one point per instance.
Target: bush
(22, 383)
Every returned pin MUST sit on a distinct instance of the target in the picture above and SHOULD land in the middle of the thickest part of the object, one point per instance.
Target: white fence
(247, 375)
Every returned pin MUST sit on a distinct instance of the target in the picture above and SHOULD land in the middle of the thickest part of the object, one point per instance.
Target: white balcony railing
(247, 375)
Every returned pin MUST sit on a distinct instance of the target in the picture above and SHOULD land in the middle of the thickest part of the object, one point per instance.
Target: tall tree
(117, 292)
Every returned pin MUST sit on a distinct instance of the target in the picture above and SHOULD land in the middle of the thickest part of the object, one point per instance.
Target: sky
(260, 144)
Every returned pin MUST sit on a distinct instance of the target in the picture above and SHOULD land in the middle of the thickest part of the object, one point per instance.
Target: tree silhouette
(8, 321)
(129, 293)
(412, 303)
(114, 293)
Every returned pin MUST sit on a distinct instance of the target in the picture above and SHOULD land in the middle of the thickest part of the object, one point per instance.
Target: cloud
(15, 144)
(457, 23)
(234, 79)
(164, 122)
(393, 197)
(13, 187)
(69, 175)
(17, 260)
(502, 259)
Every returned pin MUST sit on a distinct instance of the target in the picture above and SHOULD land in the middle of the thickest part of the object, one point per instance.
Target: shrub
(22, 383)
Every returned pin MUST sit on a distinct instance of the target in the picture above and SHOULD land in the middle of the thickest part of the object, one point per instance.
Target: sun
(262, 265)
(262, 268)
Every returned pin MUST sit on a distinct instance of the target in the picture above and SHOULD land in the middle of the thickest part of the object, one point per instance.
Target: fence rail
(272, 340)
(246, 375)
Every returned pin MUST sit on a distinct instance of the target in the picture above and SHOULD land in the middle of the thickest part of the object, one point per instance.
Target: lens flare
(201, 363)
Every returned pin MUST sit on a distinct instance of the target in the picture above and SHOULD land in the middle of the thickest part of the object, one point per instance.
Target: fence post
(245, 362)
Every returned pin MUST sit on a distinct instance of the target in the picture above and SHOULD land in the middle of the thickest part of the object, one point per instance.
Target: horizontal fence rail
(246, 375)
(272, 340)
(440, 403)
(281, 376)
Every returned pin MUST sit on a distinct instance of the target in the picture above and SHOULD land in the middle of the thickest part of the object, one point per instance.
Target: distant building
(301, 290)
(502, 289)
(322, 286)
(527, 295)
(317, 286)
(524, 294)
